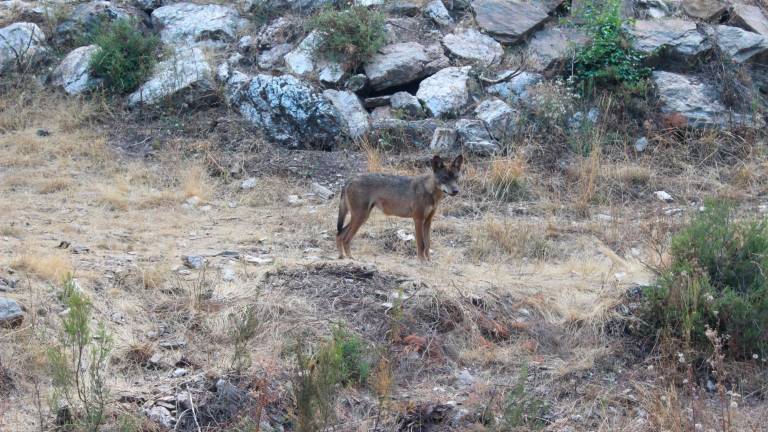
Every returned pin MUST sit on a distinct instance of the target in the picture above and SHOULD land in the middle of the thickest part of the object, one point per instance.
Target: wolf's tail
(342, 211)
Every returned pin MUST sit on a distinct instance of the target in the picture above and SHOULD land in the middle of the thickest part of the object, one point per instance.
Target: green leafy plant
(352, 35)
(78, 363)
(608, 59)
(125, 57)
(717, 279)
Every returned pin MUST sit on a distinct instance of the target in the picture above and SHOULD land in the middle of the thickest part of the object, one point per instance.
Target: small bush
(339, 361)
(126, 56)
(352, 35)
(242, 328)
(716, 280)
(78, 363)
(521, 411)
(609, 58)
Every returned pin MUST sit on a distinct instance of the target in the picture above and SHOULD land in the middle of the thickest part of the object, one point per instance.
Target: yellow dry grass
(52, 267)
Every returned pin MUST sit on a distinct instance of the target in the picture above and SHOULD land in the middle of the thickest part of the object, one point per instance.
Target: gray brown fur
(408, 197)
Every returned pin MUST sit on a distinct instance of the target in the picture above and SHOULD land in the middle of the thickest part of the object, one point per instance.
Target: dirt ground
(524, 288)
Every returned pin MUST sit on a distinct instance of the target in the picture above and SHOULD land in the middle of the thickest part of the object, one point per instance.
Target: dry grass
(54, 185)
(373, 156)
(196, 182)
(502, 239)
(503, 179)
(52, 267)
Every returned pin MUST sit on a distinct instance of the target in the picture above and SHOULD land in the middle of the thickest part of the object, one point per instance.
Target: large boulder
(416, 132)
(741, 45)
(189, 23)
(22, 45)
(670, 40)
(749, 17)
(687, 96)
(516, 87)
(402, 63)
(350, 109)
(184, 78)
(300, 6)
(707, 10)
(407, 104)
(508, 21)
(471, 45)
(550, 48)
(86, 17)
(73, 74)
(282, 30)
(24, 11)
(10, 312)
(287, 110)
(446, 92)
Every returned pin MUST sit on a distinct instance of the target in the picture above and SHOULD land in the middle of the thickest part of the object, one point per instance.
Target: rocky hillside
(454, 76)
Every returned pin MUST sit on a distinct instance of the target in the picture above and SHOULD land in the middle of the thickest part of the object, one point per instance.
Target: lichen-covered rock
(407, 104)
(401, 63)
(73, 74)
(707, 10)
(22, 45)
(669, 40)
(471, 45)
(185, 78)
(190, 23)
(509, 21)
(516, 87)
(445, 92)
(351, 111)
(287, 110)
(550, 48)
(475, 137)
(10, 312)
(750, 18)
(499, 118)
(741, 45)
(689, 97)
(435, 9)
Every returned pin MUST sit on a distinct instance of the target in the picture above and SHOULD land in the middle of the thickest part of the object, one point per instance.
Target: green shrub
(78, 363)
(339, 361)
(352, 35)
(717, 279)
(126, 56)
(608, 59)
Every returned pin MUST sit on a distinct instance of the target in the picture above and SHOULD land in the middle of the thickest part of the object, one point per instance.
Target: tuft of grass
(352, 35)
(126, 56)
(53, 268)
(505, 179)
(54, 185)
(195, 181)
(373, 156)
(502, 238)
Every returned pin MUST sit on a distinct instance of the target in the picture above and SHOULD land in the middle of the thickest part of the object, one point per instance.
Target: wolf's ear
(456, 164)
(437, 163)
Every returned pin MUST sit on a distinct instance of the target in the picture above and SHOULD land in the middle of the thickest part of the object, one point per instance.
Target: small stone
(180, 372)
(258, 260)
(194, 262)
(228, 274)
(663, 196)
(11, 314)
(405, 236)
(356, 83)
(406, 103)
(466, 378)
(172, 344)
(249, 183)
(294, 200)
(321, 191)
(192, 201)
(603, 217)
(641, 144)
(161, 416)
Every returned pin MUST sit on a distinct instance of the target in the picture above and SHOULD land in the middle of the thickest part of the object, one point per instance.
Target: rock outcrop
(287, 110)
(73, 74)
(446, 92)
(184, 78)
(190, 23)
(22, 46)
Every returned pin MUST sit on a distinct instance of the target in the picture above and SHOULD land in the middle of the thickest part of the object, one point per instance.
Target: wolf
(407, 197)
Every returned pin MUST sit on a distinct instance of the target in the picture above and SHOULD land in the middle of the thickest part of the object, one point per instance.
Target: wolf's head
(447, 176)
